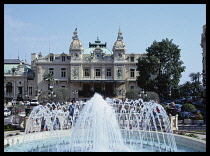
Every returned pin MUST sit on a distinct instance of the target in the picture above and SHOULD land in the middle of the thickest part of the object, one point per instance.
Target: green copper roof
(8, 67)
(97, 44)
(105, 50)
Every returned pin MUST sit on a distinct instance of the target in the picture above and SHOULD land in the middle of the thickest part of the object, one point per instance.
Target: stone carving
(119, 72)
(75, 72)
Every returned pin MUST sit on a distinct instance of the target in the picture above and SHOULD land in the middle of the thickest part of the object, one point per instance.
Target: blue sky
(29, 28)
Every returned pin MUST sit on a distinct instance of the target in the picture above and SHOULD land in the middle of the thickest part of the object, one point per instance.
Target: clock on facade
(120, 55)
(98, 55)
(76, 55)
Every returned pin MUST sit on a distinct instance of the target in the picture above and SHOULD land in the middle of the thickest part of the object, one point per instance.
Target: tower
(119, 47)
(76, 49)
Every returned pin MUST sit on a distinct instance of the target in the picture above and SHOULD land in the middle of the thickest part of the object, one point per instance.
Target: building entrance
(86, 92)
(89, 89)
(108, 90)
(98, 88)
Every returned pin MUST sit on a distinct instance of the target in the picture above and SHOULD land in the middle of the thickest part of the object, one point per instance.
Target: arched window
(9, 87)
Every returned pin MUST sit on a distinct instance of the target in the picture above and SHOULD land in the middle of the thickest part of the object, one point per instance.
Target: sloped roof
(13, 63)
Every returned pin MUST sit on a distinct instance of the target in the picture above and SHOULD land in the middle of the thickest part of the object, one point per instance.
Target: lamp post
(26, 96)
(51, 94)
(75, 92)
(38, 94)
(143, 94)
(122, 92)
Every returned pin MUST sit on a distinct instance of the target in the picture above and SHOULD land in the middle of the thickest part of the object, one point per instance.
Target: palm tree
(193, 77)
(198, 76)
(49, 78)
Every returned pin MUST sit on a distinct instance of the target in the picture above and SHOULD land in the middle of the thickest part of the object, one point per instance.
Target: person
(172, 109)
(71, 109)
(71, 112)
(42, 124)
(158, 110)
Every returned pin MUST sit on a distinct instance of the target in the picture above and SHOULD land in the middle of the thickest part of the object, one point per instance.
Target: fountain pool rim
(189, 142)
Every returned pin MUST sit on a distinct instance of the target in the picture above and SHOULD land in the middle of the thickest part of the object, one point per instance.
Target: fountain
(97, 125)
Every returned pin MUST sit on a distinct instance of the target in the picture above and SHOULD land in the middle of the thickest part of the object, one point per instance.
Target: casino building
(88, 70)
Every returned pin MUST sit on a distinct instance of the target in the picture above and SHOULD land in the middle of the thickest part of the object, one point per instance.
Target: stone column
(92, 72)
(25, 121)
(174, 121)
(103, 72)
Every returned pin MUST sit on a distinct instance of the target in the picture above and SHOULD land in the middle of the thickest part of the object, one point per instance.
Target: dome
(97, 46)
(88, 51)
(119, 44)
(76, 44)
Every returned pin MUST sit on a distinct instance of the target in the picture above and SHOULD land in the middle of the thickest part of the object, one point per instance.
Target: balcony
(109, 78)
(86, 77)
(97, 77)
(61, 79)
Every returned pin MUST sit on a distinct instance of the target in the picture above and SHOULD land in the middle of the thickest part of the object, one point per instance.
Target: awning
(97, 81)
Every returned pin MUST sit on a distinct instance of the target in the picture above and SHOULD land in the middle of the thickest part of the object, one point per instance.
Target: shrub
(192, 135)
(152, 96)
(132, 94)
(10, 127)
(188, 107)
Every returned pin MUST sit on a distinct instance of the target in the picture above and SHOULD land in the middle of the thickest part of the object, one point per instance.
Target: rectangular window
(30, 90)
(98, 72)
(63, 72)
(51, 58)
(20, 89)
(87, 72)
(132, 87)
(51, 70)
(108, 72)
(132, 59)
(63, 58)
(132, 73)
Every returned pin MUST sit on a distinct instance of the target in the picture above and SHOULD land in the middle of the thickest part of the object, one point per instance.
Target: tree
(44, 97)
(153, 96)
(186, 89)
(132, 94)
(49, 78)
(65, 92)
(161, 70)
(195, 78)
(188, 107)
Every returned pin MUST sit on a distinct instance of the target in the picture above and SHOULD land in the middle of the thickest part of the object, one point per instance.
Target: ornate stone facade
(203, 46)
(94, 69)
(18, 79)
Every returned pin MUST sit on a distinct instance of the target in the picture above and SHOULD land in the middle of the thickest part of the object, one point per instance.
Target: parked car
(188, 100)
(34, 102)
(178, 107)
(26, 102)
(181, 98)
(187, 114)
(197, 103)
(7, 112)
(178, 101)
